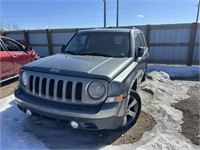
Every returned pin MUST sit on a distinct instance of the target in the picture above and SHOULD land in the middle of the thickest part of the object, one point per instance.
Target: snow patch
(177, 71)
(13, 135)
(166, 133)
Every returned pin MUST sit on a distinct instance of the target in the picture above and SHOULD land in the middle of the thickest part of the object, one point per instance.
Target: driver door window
(137, 44)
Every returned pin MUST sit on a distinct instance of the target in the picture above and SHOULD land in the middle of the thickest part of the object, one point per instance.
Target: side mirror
(141, 51)
(28, 48)
(63, 48)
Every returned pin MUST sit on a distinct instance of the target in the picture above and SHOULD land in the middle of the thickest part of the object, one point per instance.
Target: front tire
(133, 110)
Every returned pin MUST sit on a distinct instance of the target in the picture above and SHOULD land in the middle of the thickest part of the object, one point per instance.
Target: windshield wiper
(96, 54)
(91, 53)
(72, 52)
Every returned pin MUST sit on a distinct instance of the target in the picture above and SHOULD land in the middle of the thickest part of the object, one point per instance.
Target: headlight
(96, 90)
(24, 78)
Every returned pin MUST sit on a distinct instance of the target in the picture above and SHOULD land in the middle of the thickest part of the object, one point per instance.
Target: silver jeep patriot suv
(91, 84)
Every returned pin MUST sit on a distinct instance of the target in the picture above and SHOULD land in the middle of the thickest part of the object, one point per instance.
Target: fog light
(28, 112)
(74, 124)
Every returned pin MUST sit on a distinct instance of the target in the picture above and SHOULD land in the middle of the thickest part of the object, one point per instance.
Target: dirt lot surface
(7, 88)
(145, 123)
(191, 111)
(190, 127)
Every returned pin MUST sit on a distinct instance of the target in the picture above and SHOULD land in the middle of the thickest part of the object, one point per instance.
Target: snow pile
(166, 133)
(13, 135)
(177, 71)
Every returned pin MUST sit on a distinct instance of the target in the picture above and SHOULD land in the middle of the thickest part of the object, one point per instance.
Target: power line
(150, 10)
(150, 13)
(93, 9)
(129, 4)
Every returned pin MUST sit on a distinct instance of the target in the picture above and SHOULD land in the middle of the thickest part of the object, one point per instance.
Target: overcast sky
(33, 14)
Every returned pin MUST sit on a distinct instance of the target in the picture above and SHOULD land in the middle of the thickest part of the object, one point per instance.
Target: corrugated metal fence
(168, 44)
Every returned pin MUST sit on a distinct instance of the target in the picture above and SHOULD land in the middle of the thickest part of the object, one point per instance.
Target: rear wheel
(133, 110)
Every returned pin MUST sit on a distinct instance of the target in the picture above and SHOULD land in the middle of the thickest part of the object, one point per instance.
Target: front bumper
(104, 116)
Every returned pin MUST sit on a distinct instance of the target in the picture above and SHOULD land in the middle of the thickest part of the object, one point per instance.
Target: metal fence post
(26, 38)
(192, 44)
(50, 47)
(148, 31)
(2, 32)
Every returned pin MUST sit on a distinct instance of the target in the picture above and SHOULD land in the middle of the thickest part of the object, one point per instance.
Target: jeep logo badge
(55, 70)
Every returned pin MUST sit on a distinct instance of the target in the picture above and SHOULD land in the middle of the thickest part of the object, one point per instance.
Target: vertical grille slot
(44, 82)
(69, 90)
(55, 89)
(37, 79)
(47, 88)
(78, 93)
(51, 87)
(31, 84)
(59, 88)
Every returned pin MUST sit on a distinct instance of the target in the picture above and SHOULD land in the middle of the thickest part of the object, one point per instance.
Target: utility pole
(117, 14)
(198, 12)
(104, 13)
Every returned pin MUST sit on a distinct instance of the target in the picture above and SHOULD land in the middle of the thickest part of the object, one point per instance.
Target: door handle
(15, 56)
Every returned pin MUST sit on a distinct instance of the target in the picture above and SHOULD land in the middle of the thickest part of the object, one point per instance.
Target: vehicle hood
(83, 66)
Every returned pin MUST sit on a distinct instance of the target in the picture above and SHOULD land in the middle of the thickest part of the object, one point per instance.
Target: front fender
(124, 81)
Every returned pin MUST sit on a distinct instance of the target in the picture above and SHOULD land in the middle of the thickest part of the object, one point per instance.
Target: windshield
(110, 44)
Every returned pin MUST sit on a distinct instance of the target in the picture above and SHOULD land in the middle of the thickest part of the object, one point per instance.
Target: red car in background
(13, 56)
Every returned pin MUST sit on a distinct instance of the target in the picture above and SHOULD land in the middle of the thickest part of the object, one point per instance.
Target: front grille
(60, 88)
(55, 89)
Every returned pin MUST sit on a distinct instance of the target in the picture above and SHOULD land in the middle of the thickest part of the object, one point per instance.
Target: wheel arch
(134, 86)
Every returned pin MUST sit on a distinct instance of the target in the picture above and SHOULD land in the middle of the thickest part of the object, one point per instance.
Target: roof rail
(107, 27)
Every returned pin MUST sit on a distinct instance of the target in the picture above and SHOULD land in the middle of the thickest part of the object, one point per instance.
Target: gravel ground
(189, 107)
